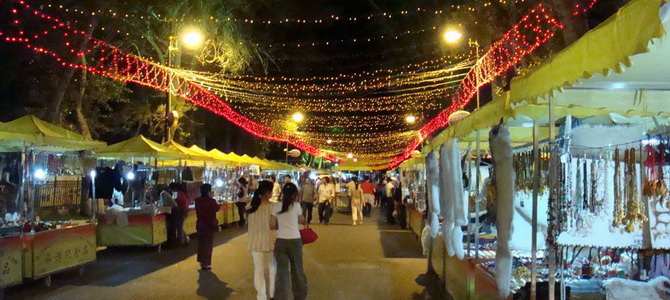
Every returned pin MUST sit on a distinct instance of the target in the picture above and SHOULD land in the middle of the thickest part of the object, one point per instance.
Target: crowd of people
(274, 215)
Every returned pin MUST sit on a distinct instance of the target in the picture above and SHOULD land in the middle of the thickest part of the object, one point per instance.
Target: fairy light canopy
(378, 116)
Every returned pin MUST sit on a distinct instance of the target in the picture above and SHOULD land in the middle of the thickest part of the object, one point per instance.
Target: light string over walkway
(334, 107)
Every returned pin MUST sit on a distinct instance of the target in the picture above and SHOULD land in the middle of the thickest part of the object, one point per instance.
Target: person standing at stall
(307, 197)
(183, 201)
(242, 194)
(368, 196)
(166, 200)
(206, 225)
(326, 194)
(286, 218)
(356, 194)
(262, 241)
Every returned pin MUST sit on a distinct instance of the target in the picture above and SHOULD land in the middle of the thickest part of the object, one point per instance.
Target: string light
(109, 61)
(254, 104)
(533, 30)
(326, 19)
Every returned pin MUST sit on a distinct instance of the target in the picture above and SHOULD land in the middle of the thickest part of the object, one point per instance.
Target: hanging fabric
(433, 193)
(501, 152)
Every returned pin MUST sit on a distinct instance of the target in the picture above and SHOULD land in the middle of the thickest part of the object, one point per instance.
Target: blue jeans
(288, 254)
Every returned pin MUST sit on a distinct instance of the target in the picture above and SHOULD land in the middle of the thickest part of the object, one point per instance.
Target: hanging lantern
(294, 153)
(457, 116)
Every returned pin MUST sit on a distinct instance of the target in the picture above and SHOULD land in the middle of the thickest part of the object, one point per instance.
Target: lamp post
(297, 118)
(452, 37)
(191, 39)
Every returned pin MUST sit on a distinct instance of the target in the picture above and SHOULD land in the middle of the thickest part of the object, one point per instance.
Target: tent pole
(25, 173)
(478, 186)
(536, 189)
(550, 253)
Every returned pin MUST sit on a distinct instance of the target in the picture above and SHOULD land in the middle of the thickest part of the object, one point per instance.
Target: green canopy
(40, 135)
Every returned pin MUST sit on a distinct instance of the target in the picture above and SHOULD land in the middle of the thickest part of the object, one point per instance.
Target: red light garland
(533, 30)
(109, 61)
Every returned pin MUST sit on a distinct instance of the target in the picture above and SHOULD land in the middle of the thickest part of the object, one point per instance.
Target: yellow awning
(233, 159)
(139, 147)
(42, 136)
(600, 50)
(195, 158)
(351, 165)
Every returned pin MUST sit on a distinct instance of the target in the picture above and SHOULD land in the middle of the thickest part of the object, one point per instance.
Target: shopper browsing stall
(206, 225)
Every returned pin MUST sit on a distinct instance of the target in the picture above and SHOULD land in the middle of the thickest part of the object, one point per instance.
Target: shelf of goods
(415, 220)
(464, 279)
(50, 251)
(141, 230)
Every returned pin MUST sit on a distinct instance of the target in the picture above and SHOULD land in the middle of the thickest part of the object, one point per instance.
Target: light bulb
(40, 174)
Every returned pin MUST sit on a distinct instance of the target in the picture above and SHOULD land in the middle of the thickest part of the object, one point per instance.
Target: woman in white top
(262, 241)
(356, 194)
(286, 217)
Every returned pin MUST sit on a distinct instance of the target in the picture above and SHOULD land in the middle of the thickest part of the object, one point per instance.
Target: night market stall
(599, 178)
(413, 181)
(140, 221)
(45, 175)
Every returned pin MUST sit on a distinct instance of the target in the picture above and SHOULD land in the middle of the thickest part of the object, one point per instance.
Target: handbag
(308, 236)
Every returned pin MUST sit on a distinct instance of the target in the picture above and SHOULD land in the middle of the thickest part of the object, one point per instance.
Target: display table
(464, 279)
(189, 222)
(142, 230)
(11, 260)
(233, 215)
(225, 213)
(51, 251)
(415, 220)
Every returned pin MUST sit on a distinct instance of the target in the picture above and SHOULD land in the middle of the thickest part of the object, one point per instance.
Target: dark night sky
(18, 83)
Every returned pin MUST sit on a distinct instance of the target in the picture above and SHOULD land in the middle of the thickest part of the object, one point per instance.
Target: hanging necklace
(634, 215)
(617, 218)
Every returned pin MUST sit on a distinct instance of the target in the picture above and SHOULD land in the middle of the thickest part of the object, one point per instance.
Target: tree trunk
(83, 123)
(575, 25)
(53, 109)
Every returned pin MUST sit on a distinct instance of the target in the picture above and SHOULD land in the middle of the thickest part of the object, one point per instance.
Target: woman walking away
(356, 194)
(207, 224)
(241, 204)
(262, 241)
(286, 217)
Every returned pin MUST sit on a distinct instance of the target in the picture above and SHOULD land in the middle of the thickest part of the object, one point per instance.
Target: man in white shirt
(326, 195)
(276, 189)
(389, 189)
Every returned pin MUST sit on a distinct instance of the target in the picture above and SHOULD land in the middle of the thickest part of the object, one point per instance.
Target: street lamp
(329, 141)
(410, 119)
(453, 36)
(191, 39)
(350, 155)
(298, 117)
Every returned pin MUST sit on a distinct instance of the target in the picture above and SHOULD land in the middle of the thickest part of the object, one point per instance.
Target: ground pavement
(369, 261)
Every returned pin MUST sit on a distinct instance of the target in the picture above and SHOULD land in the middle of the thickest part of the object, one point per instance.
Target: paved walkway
(368, 261)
